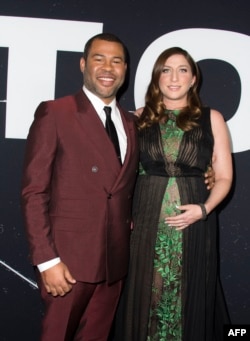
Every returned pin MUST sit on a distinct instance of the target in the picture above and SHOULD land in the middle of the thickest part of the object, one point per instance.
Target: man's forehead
(106, 47)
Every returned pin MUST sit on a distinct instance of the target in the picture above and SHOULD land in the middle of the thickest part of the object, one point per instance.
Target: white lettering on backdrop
(33, 44)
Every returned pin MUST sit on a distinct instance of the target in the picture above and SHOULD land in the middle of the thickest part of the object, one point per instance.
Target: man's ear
(82, 64)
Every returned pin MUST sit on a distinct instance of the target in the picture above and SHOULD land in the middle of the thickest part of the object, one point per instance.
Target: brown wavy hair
(155, 110)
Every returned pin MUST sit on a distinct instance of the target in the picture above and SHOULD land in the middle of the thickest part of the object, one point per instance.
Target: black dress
(173, 290)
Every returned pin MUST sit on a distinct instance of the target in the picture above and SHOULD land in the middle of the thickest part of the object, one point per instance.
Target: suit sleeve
(40, 154)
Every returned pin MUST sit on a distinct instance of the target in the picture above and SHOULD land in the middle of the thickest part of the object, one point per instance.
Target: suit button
(94, 169)
(109, 195)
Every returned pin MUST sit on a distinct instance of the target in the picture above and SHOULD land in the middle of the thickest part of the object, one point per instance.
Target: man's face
(104, 70)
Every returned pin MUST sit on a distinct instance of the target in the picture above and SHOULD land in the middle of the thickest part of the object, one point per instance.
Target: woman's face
(175, 81)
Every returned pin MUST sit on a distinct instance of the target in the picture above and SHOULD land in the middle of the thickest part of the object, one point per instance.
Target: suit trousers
(85, 313)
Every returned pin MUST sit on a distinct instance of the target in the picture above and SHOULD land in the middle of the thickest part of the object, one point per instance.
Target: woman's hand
(190, 214)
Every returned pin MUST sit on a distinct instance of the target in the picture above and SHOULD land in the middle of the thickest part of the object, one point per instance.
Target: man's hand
(57, 280)
(209, 177)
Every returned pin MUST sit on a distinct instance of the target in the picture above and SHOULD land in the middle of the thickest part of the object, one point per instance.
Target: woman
(173, 291)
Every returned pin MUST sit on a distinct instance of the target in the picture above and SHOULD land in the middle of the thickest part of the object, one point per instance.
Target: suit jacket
(76, 198)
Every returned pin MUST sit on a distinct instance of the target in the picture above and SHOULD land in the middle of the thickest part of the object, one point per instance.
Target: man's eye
(97, 59)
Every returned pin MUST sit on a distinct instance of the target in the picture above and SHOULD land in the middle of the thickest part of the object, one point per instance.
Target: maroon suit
(76, 197)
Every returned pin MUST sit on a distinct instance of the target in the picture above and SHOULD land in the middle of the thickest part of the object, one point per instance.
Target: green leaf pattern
(165, 322)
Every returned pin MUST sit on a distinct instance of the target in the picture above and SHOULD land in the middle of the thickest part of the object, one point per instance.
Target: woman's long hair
(155, 110)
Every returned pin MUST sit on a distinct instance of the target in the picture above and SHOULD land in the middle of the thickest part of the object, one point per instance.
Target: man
(76, 196)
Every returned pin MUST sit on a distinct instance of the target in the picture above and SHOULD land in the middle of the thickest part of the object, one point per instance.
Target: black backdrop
(138, 23)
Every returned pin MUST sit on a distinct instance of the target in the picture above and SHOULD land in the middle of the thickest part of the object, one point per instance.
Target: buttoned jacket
(76, 197)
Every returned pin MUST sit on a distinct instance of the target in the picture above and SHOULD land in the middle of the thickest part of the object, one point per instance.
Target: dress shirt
(98, 104)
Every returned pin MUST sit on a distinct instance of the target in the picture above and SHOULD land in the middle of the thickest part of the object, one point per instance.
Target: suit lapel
(95, 131)
(129, 129)
(131, 145)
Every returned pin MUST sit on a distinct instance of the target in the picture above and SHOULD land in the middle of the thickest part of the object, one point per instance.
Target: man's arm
(39, 159)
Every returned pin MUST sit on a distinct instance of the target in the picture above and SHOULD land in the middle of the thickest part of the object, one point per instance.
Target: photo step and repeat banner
(41, 43)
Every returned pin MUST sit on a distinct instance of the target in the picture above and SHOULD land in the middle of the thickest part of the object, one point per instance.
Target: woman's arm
(222, 161)
(222, 166)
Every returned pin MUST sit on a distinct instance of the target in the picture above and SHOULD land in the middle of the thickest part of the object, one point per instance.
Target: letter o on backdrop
(232, 47)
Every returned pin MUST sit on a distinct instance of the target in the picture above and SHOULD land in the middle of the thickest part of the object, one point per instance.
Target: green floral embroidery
(165, 321)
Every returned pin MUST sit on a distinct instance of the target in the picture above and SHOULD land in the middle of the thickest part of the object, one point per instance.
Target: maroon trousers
(84, 314)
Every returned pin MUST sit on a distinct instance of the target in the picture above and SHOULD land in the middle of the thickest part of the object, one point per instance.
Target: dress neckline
(172, 114)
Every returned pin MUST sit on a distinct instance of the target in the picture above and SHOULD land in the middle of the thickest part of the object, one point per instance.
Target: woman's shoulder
(216, 116)
(218, 122)
(212, 114)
